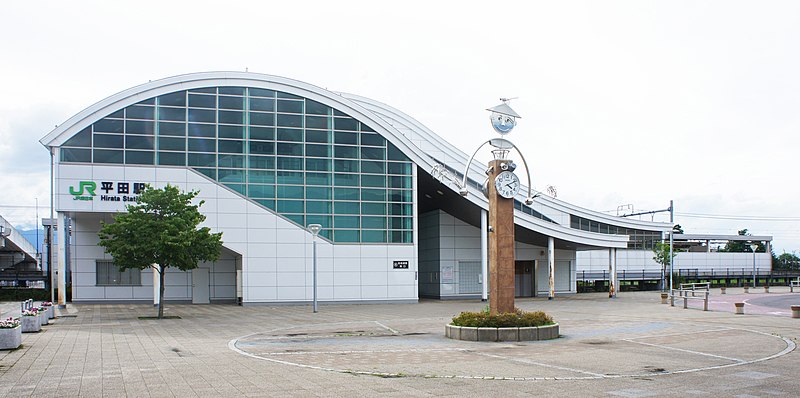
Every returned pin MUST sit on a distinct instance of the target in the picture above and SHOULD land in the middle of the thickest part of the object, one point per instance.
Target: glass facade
(639, 239)
(305, 160)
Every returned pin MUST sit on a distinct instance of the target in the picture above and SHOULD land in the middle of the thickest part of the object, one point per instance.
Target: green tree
(159, 232)
(742, 246)
(787, 261)
(661, 255)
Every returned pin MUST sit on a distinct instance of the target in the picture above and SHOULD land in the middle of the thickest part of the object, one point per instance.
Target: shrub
(518, 318)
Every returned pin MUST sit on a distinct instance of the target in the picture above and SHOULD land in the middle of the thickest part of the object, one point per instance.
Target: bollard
(796, 311)
(664, 297)
(722, 290)
(766, 289)
(747, 289)
(739, 308)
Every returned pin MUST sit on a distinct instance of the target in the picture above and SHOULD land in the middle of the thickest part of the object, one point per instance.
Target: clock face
(502, 123)
(507, 184)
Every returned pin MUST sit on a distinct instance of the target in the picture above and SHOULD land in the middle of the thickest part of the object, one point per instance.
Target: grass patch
(518, 318)
(164, 317)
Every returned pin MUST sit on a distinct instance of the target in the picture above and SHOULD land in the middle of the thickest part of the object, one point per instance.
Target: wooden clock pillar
(501, 246)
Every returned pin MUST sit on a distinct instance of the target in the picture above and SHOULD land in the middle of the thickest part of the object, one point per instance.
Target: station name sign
(109, 191)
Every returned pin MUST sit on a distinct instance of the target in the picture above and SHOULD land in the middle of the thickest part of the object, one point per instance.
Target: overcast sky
(623, 102)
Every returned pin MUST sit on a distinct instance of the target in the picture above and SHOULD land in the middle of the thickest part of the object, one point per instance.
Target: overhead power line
(737, 217)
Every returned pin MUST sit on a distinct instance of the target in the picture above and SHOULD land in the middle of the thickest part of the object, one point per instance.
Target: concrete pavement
(631, 346)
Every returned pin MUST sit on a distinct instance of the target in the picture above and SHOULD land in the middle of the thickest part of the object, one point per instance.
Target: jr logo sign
(85, 190)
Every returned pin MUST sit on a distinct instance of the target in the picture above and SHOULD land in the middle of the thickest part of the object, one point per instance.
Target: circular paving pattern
(418, 348)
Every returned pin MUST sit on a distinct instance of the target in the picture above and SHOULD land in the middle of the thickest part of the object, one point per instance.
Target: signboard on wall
(400, 264)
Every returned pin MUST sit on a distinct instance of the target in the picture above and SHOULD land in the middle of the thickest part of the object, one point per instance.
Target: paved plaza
(630, 346)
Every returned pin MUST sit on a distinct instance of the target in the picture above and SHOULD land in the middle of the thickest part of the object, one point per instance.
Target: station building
(271, 155)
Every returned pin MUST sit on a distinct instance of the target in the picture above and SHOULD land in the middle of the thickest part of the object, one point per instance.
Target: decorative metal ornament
(503, 124)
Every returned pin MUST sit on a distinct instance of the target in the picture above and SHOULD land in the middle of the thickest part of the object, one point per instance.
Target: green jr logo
(84, 187)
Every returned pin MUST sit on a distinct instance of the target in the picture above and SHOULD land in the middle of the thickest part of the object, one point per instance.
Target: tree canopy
(160, 231)
(742, 246)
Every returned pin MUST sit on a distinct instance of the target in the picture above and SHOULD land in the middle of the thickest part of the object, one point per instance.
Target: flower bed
(514, 326)
(10, 334)
(30, 321)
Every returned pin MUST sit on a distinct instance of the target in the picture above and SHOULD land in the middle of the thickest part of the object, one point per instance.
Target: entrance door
(200, 286)
(523, 278)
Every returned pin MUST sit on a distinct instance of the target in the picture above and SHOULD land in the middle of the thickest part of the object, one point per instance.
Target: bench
(684, 294)
(793, 284)
(692, 287)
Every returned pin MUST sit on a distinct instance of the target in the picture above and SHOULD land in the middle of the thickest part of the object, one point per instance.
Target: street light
(754, 246)
(314, 229)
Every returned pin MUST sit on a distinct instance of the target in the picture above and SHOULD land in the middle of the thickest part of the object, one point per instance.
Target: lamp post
(314, 229)
(754, 246)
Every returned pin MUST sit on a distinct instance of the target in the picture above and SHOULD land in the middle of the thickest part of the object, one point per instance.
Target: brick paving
(630, 346)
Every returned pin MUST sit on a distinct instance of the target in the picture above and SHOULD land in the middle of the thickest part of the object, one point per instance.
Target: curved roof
(420, 144)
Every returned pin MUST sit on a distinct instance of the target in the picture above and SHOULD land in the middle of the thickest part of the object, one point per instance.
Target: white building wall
(460, 242)
(276, 254)
(642, 260)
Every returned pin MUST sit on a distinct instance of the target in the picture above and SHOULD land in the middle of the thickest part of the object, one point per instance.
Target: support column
(484, 255)
(551, 263)
(501, 247)
(61, 233)
(612, 273)
(156, 284)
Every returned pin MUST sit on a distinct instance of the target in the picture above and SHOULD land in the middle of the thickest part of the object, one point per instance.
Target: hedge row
(518, 318)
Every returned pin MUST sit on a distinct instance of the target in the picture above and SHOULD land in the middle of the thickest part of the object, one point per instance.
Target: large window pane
(261, 176)
(76, 155)
(346, 207)
(341, 151)
(139, 142)
(232, 117)
(172, 114)
(108, 141)
(373, 167)
(290, 120)
(341, 137)
(173, 99)
(262, 162)
(83, 138)
(261, 119)
(236, 103)
(346, 193)
(139, 157)
(318, 164)
(373, 208)
(203, 160)
(285, 148)
(202, 115)
(260, 92)
(318, 136)
(202, 145)
(139, 127)
(398, 168)
(373, 236)
(321, 193)
(370, 222)
(289, 192)
(323, 151)
(231, 146)
(315, 108)
(226, 131)
(172, 158)
(140, 112)
(319, 178)
(373, 195)
(346, 180)
(202, 130)
(231, 175)
(346, 222)
(290, 206)
(233, 161)
(108, 156)
(262, 133)
(108, 126)
(233, 90)
(345, 235)
(372, 153)
(262, 104)
(262, 147)
(368, 180)
(347, 166)
(372, 139)
(261, 191)
(400, 182)
(295, 135)
(286, 163)
(171, 144)
(290, 106)
(202, 101)
(345, 124)
(290, 177)
(318, 207)
(174, 129)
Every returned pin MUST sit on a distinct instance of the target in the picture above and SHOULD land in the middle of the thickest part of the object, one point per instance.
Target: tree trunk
(161, 292)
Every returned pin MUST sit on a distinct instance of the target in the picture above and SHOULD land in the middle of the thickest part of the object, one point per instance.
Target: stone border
(532, 333)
